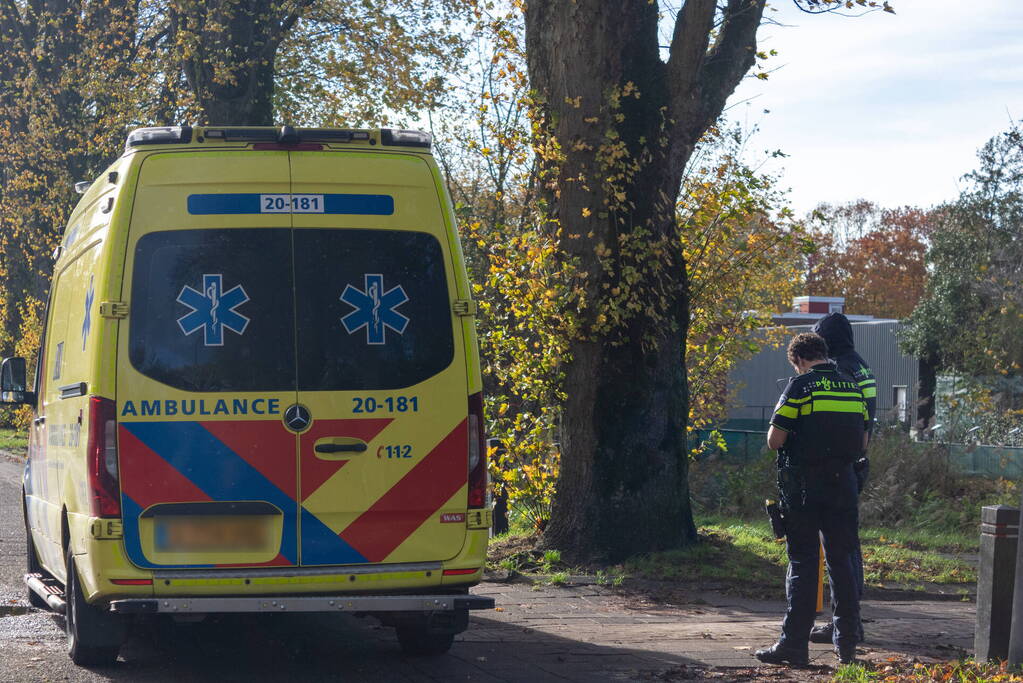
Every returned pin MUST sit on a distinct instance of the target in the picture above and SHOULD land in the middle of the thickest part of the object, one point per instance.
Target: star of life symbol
(213, 310)
(374, 309)
(90, 296)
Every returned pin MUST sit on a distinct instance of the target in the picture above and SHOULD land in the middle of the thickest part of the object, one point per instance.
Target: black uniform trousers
(828, 508)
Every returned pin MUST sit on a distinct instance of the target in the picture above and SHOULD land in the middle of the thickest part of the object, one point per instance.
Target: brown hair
(807, 346)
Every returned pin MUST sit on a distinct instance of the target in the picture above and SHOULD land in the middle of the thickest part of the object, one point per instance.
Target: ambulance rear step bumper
(346, 603)
(48, 589)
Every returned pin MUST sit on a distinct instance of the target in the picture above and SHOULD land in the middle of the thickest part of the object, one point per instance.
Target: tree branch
(279, 31)
(700, 79)
(730, 58)
(689, 46)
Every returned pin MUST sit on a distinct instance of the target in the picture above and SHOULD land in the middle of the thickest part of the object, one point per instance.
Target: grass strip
(900, 669)
(13, 440)
(745, 558)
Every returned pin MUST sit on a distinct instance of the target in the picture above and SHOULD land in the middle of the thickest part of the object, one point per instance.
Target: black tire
(94, 637)
(418, 642)
(32, 565)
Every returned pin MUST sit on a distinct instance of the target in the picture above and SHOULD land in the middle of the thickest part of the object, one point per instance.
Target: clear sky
(890, 108)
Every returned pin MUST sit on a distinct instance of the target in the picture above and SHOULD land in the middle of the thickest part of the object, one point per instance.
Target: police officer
(837, 332)
(819, 430)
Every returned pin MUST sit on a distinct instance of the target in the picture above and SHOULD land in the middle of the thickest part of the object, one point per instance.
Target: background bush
(911, 486)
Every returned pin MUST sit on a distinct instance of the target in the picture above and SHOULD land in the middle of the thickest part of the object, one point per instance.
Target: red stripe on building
(264, 444)
(413, 500)
(315, 472)
(148, 479)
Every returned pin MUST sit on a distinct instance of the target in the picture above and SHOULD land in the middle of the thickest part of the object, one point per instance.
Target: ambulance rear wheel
(32, 566)
(94, 637)
(418, 642)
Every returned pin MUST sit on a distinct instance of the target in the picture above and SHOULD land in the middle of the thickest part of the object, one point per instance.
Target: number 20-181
(391, 404)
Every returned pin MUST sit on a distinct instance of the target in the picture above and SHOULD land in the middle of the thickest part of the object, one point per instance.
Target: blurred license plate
(196, 535)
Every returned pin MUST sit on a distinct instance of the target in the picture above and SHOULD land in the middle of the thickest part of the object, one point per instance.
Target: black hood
(837, 332)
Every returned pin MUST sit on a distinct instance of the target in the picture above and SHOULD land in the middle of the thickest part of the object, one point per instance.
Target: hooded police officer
(838, 333)
(819, 429)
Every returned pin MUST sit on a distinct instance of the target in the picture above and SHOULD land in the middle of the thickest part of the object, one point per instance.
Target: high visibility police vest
(825, 414)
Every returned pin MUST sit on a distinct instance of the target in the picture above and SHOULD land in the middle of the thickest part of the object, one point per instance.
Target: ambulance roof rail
(283, 135)
(331, 135)
(405, 138)
(161, 135)
(286, 135)
(237, 134)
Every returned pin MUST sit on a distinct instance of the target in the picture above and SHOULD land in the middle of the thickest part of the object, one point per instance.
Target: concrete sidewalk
(590, 632)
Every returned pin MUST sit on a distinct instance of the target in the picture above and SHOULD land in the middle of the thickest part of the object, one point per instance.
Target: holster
(791, 485)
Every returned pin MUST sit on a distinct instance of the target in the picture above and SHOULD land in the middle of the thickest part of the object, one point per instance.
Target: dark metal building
(759, 381)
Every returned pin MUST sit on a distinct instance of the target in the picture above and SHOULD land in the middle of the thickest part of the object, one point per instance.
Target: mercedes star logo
(297, 417)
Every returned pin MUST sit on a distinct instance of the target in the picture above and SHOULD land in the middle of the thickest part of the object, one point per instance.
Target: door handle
(341, 448)
(39, 420)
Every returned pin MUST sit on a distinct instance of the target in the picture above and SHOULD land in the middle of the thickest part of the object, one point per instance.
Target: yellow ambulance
(258, 391)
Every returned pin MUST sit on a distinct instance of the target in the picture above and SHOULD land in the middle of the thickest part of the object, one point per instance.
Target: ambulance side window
(212, 310)
(55, 336)
(373, 309)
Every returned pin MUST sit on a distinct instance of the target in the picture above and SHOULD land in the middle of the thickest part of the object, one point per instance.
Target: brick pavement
(589, 632)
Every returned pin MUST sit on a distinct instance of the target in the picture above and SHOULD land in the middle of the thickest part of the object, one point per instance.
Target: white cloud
(890, 108)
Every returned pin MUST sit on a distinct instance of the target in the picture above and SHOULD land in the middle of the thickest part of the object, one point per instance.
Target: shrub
(911, 485)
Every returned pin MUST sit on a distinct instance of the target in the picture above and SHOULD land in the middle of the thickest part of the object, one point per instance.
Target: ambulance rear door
(206, 364)
(380, 362)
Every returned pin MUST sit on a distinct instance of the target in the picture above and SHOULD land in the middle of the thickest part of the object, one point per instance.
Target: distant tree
(970, 316)
(873, 257)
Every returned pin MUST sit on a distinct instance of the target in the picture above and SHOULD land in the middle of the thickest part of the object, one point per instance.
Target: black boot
(781, 654)
(822, 634)
(846, 654)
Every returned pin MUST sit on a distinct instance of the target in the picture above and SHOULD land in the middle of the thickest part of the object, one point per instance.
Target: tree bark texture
(626, 122)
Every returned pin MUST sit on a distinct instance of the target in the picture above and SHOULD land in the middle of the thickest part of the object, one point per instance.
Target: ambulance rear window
(373, 309)
(212, 310)
(222, 310)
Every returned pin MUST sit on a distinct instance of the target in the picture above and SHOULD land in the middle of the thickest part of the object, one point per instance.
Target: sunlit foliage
(743, 252)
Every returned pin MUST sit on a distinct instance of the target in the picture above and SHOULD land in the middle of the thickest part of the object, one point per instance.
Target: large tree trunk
(228, 49)
(626, 124)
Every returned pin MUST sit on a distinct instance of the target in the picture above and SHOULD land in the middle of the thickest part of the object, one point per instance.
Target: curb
(895, 593)
(13, 457)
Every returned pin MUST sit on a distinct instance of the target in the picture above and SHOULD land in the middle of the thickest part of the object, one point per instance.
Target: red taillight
(104, 488)
(459, 572)
(477, 454)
